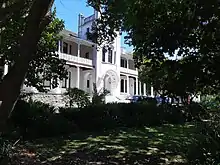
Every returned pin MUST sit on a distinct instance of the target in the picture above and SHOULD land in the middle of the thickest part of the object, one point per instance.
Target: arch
(111, 80)
(88, 82)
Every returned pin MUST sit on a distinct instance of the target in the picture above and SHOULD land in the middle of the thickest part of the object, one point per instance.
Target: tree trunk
(13, 81)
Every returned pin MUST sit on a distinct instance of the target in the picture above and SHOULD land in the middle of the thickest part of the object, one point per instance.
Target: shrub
(36, 119)
(99, 96)
(125, 115)
(76, 96)
(211, 102)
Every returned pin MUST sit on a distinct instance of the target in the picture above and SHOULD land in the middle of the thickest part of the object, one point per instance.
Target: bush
(36, 119)
(99, 117)
(211, 102)
(76, 96)
(98, 97)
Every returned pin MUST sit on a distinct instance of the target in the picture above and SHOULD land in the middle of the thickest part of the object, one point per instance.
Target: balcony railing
(75, 59)
(128, 71)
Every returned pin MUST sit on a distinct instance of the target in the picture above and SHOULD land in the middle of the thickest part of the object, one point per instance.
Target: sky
(68, 10)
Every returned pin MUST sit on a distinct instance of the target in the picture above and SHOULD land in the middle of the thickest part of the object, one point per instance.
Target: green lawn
(168, 144)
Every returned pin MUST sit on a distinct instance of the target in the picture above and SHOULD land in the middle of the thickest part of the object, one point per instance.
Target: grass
(169, 144)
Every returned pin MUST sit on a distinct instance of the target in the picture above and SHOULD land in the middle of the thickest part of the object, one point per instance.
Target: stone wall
(55, 100)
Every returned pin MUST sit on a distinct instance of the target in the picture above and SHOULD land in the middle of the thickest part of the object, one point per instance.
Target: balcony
(128, 71)
(76, 60)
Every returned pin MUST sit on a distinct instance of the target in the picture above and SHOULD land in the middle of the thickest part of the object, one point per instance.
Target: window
(110, 55)
(70, 49)
(69, 78)
(87, 55)
(66, 82)
(123, 63)
(88, 84)
(103, 54)
(126, 86)
(65, 47)
(135, 83)
(87, 33)
(122, 85)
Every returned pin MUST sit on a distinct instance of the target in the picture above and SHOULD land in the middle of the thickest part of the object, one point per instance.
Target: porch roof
(71, 36)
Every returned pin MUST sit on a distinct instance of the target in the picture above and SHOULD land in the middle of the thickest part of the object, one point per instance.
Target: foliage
(211, 102)
(110, 116)
(166, 29)
(45, 65)
(6, 150)
(173, 78)
(98, 97)
(76, 96)
(36, 119)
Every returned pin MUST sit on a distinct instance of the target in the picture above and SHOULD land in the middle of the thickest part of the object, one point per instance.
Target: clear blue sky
(68, 10)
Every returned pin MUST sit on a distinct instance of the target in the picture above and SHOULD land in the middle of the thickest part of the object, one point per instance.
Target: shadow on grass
(168, 144)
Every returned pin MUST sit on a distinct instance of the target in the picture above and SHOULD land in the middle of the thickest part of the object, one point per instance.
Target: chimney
(80, 23)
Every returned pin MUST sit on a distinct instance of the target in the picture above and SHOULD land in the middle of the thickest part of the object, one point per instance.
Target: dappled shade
(159, 145)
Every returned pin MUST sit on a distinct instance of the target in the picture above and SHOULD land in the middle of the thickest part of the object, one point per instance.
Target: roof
(71, 36)
(68, 32)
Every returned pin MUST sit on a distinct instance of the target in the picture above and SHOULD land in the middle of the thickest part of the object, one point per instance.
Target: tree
(157, 28)
(37, 16)
(45, 65)
(173, 78)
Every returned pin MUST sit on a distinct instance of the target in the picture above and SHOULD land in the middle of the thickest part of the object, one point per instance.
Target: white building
(112, 69)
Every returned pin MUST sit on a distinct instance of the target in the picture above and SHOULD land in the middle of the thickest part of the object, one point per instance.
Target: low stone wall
(55, 100)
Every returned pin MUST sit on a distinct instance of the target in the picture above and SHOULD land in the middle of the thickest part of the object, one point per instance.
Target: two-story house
(110, 67)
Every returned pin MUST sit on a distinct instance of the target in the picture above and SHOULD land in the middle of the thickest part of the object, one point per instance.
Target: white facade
(112, 69)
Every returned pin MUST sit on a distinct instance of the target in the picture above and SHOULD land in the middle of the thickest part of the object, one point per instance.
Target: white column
(140, 88)
(59, 46)
(78, 52)
(5, 69)
(128, 85)
(144, 89)
(78, 77)
(127, 64)
(152, 91)
(136, 86)
(106, 55)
